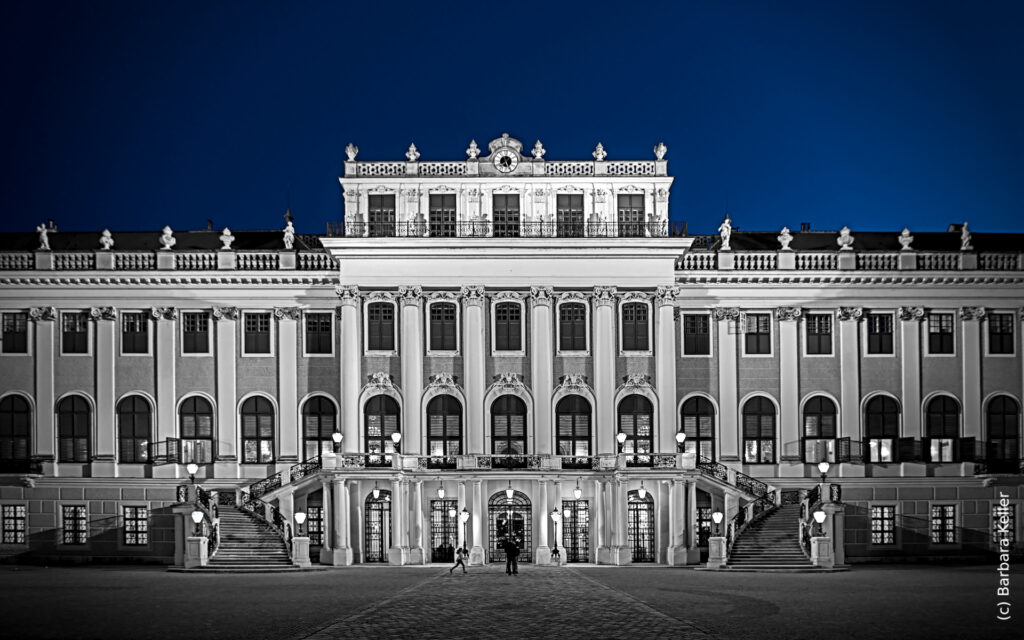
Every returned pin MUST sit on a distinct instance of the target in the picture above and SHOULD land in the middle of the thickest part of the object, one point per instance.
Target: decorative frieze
(163, 313)
(508, 381)
(637, 381)
(572, 296)
(908, 314)
(851, 313)
(789, 313)
(972, 313)
(291, 313)
(103, 313)
(604, 296)
(42, 313)
(226, 313)
(443, 382)
(726, 313)
(349, 295)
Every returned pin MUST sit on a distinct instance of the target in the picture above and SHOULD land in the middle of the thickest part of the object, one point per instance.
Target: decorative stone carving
(600, 195)
(106, 240)
(473, 295)
(726, 313)
(351, 151)
(845, 240)
(789, 313)
(508, 380)
(507, 295)
(911, 313)
(412, 154)
(44, 239)
(634, 296)
(572, 296)
(443, 381)
(163, 313)
(637, 380)
(661, 195)
(349, 295)
(604, 296)
(574, 383)
(660, 150)
(103, 313)
(599, 153)
(784, 238)
(667, 295)
(541, 295)
(972, 313)
(289, 235)
(538, 150)
(905, 239)
(167, 239)
(851, 313)
(447, 296)
(473, 194)
(725, 232)
(413, 194)
(540, 193)
(291, 313)
(965, 238)
(226, 313)
(411, 294)
(42, 313)
(473, 151)
(380, 381)
(226, 238)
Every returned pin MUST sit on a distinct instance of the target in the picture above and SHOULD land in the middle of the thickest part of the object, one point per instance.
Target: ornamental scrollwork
(851, 313)
(789, 313)
(163, 313)
(103, 313)
(380, 381)
(637, 380)
(411, 294)
(443, 381)
(634, 296)
(572, 296)
(445, 296)
(604, 296)
(473, 295)
(667, 295)
(972, 313)
(726, 313)
(379, 296)
(508, 380)
(349, 295)
(541, 296)
(291, 313)
(507, 295)
(225, 313)
(39, 314)
(573, 383)
(911, 313)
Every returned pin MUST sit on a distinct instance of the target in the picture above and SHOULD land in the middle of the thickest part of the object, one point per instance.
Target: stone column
(477, 515)
(287, 385)
(600, 517)
(910, 363)
(604, 345)
(789, 418)
(665, 367)
(411, 302)
(45, 436)
(351, 358)
(727, 383)
(226, 462)
(692, 535)
(166, 328)
(849, 370)
(474, 371)
(621, 551)
(678, 523)
(328, 527)
(105, 446)
(970, 319)
(341, 550)
(399, 551)
(541, 358)
(416, 555)
(543, 554)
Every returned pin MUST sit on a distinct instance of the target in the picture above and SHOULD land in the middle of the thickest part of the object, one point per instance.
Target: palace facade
(505, 346)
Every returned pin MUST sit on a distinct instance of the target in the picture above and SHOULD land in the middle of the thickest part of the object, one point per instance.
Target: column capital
(666, 296)
(972, 313)
(41, 314)
(851, 313)
(411, 295)
(288, 313)
(541, 296)
(909, 314)
(473, 295)
(225, 313)
(349, 295)
(726, 313)
(604, 296)
(103, 313)
(789, 313)
(163, 313)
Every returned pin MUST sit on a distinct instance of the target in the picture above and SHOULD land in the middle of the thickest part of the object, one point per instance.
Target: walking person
(460, 557)
(511, 557)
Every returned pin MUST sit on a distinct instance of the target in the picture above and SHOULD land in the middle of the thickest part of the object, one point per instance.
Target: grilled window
(318, 426)
(635, 327)
(380, 317)
(1000, 333)
(315, 525)
(879, 333)
(257, 430)
(15, 434)
(75, 333)
(257, 333)
(381, 216)
(195, 421)
(883, 524)
(442, 216)
(757, 334)
(572, 327)
(14, 524)
(569, 216)
(819, 334)
(940, 333)
(631, 215)
(696, 335)
(944, 524)
(15, 333)
(73, 427)
(698, 420)
(134, 332)
(195, 332)
(133, 422)
(136, 526)
(758, 431)
(443, 335)
(319, 337)
(75, 526)
(506, 216)
(508, 324)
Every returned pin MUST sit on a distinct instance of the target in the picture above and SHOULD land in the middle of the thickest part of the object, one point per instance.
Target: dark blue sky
(876, 115)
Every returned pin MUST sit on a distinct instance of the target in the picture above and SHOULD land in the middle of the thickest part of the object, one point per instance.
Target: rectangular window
(880, 449)
(381, 216)
(134, 332)
(883, 524)
(940, 333)
(380, 317)
(442, 215)
(1000, 333)
(315, 525)
(569, 215)
(705, 525)
(572, 327)
(1004, 525)
(696, 335)
(508, 323)
(257, 333)
(758, 334)
(879, 333)
(318, 333)
(631, 215)
(635, 332)
(819, 334)
(442, 327)
(196, 332)
(75, 525)
(506, 216)
(14, 524)
(75, 333)
(15, 333)
(944, 524)
(136, 526)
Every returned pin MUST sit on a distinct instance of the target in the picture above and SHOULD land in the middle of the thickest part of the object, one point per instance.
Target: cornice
(156, 281)
(851, 279)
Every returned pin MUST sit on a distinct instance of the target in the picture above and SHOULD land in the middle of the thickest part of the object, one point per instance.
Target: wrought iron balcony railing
(510, 229)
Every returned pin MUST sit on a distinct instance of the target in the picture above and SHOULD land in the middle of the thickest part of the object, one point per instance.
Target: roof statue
(660, 150)
(473, 151)
(785, 237)
(412, 154)
(599, 153)
(725, 231)
(538, 150)
(167, 239)
(106, 240)
(44, 240)
(905, 239)
(965, 238)
(227, 239)
(845, 240)
(351, 151)
(289, 235)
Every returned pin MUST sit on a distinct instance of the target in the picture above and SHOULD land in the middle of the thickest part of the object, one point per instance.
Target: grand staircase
(771, 544)
(247, 546)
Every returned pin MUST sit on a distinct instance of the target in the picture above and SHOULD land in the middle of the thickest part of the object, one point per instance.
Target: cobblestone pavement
(540, 602)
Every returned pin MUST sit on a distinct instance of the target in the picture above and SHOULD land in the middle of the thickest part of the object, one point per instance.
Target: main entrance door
(377, 527)
(510, 518)
(576, 530)
(444, 530)
(640, 527)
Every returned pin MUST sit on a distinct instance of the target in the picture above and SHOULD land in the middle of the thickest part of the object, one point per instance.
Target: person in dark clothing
(460, 557)
(511, 557)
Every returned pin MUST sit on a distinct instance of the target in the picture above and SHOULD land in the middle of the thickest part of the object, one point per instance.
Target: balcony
(509, 229)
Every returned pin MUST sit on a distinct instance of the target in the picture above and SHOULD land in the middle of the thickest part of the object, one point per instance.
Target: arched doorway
(510, 517)
(640, 527)
(377, 527)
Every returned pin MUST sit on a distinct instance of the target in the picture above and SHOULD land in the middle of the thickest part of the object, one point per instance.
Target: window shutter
(926, 449)
(843, 450)
(908, 450)
(966, 451)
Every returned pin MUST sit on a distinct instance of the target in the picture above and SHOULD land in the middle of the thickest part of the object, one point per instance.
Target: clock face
(505, 160)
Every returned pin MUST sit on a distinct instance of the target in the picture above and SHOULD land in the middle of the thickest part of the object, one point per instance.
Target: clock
(505, 160)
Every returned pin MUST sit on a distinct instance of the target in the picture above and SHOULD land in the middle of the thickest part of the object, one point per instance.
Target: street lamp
(680, 439)
(300, 518)
(197, 517)
(577, 492)
(376, 490)
(192, 468)
(464, 516)
(823, 467)
(642, 492)
(555, 517)
(819, 518)
(620, 437)
(440, 490)
(336, 436)
(396, 437)
(716, 517)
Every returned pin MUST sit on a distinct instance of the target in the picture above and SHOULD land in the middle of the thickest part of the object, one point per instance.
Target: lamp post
(642, 491)
(716, 517)
(440, 490)
(197, 517)
(376, 491)
(396, 437)
(464, 516)
(680, 439)
(336, 437)
(819, 519)
(620, 437)
(510, 491)
(192, 469)
(577, 492)
(300, 518)
(555, 518)
(823, 467)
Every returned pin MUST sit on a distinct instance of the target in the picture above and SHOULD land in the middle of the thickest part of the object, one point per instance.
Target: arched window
(698, 420)
(15, 434)
(635, 335)
(73, 428)
(1003, 421)
(444, 431)
(942, 428)
(572, 415)
(381, 420)
(758, 431)
(257, 430)
(318, 422)
(134, 422)
(636, 420)
(882, 428)
(819, 430)
(195, 424)
(508, 428)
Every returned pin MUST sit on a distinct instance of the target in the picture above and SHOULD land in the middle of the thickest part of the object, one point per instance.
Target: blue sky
(875, 115)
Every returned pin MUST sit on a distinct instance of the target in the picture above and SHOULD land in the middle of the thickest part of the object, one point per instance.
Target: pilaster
(226, 462)
(473, 363)
(728, 319)
(351, 357)
(849, 370)
(416, 546)
(411, 302)
(910, 369)
(542, 362)
(543, 553)
(165, 320)
(604, 346)
(476, 554)
(105, 448)
(971, 318)
(45, 359)
(287, 382)
(665, 368)
(398, 554)
(789, 355)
